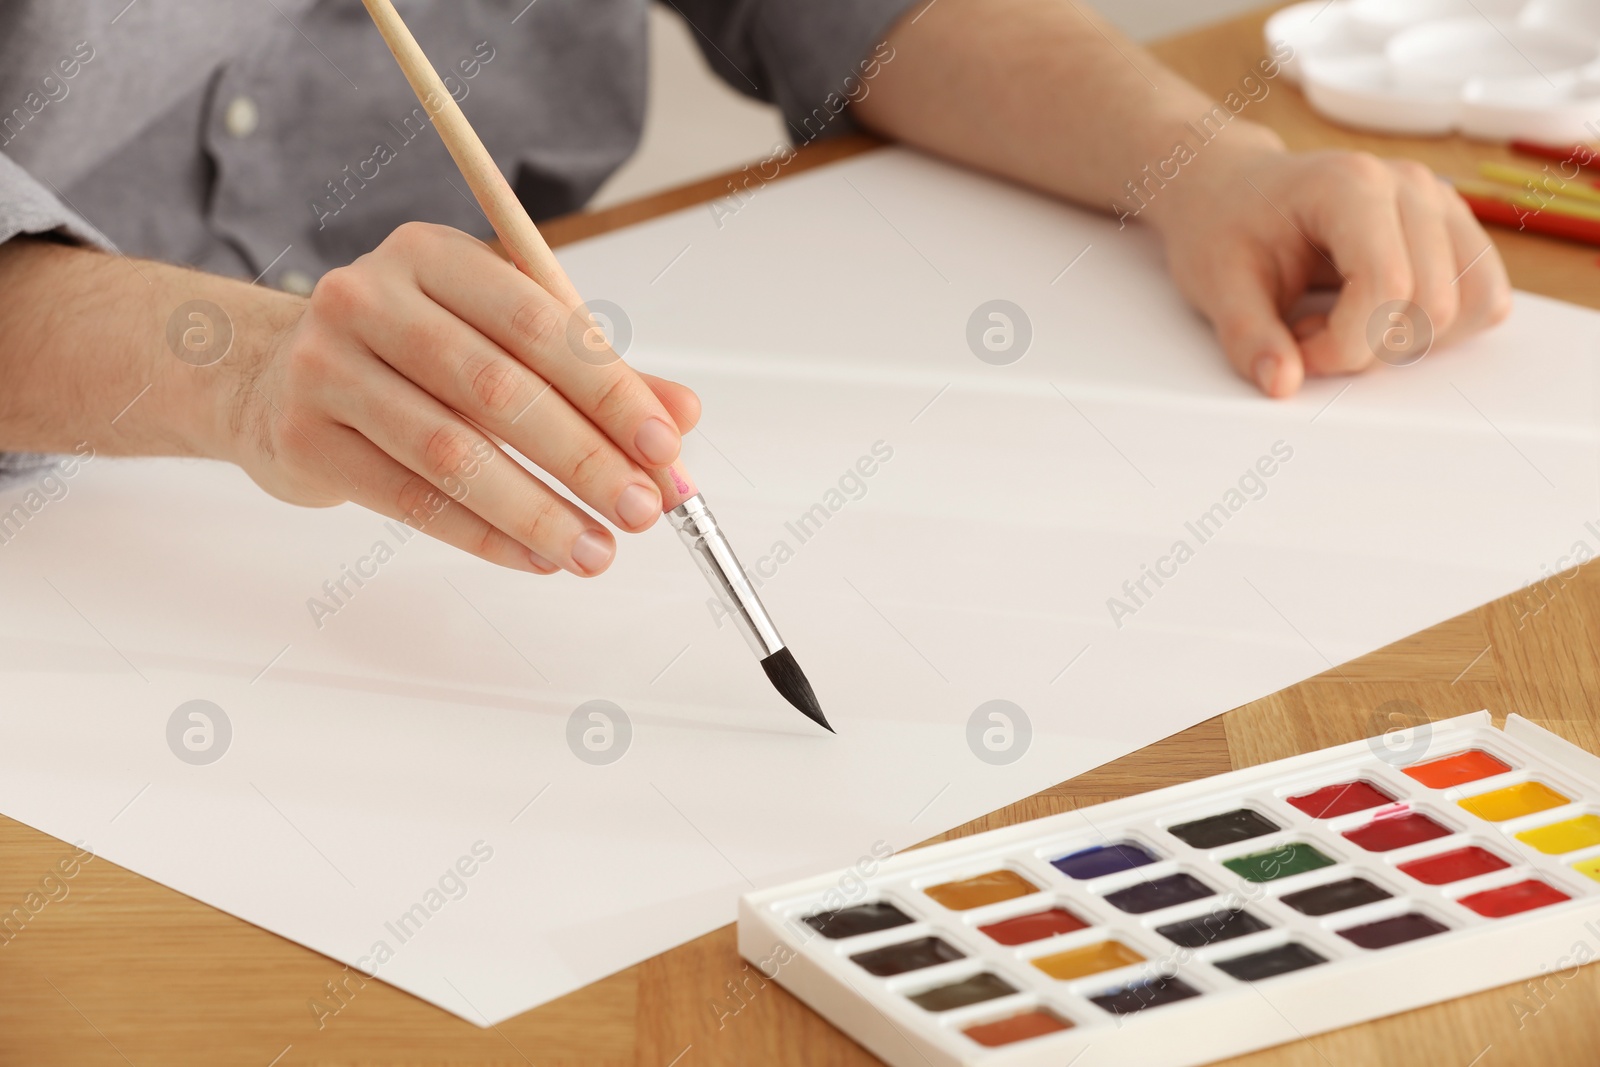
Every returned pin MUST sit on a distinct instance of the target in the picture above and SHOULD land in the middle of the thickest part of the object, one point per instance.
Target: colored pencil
(1495, 208)
(1581, 154)
(1534, 181)
(1532, 202)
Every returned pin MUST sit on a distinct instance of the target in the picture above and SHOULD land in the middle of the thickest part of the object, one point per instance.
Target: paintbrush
(685, 507)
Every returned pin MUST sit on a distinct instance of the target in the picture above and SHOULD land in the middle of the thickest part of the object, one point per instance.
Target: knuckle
(416, 497)
(343, 292)
(590, 464)
(1414, 173)
(1366, 169)
(613, 401)
(494, 384)
(1394, 280)
(412, 237)
(447, 450)
(539, 321)
(541, 526)
(491, 544)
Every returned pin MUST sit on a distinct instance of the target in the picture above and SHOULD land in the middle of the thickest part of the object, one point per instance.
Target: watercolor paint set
(1208, 919)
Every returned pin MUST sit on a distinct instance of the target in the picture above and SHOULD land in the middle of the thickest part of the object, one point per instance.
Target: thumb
(1237, 296)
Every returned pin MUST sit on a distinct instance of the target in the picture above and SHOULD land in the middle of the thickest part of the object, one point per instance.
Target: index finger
(1359, 226)
(563, 346)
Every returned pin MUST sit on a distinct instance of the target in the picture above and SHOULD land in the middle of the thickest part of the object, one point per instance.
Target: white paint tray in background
(1496, 70)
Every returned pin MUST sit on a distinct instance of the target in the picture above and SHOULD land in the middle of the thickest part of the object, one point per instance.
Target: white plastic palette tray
(1496, 70)
(1366, 935)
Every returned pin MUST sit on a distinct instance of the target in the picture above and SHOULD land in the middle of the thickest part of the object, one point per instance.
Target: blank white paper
(424, 724)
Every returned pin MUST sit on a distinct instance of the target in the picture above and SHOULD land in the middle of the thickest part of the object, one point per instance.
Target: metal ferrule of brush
(714, 556)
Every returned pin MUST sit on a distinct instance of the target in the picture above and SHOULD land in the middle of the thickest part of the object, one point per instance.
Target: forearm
(84, 353)
(1042, 92)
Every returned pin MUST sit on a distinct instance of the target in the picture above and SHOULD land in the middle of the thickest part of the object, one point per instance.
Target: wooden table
(124, 971)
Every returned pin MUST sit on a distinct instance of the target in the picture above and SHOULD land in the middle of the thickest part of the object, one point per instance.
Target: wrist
(1195, 178)
(218, 338)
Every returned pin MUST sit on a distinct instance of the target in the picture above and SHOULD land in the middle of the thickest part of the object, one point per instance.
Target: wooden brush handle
(521, 238)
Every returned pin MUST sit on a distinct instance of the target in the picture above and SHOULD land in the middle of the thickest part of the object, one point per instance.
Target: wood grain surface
(124, 971)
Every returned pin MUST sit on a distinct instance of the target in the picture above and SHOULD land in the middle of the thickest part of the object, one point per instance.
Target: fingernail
(592, 551)
(638, 506)
(657, 442)
(1266, 371)
(542, 565)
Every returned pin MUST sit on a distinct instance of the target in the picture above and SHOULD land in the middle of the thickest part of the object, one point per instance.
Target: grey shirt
(278, 137)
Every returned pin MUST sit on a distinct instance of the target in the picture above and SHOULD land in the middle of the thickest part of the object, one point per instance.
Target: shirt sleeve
(27, 206)
(809, 57)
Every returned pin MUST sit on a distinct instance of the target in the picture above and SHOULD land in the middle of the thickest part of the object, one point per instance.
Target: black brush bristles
(788, 679)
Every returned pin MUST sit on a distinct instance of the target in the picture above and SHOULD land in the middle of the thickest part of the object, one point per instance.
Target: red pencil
(1500, 213)
(1581, 154)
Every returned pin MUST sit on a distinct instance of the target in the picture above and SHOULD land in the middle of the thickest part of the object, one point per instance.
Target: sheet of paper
(399, 783)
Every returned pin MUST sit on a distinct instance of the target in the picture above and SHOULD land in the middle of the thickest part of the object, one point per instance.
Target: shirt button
(297, 282)
(241, 117)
